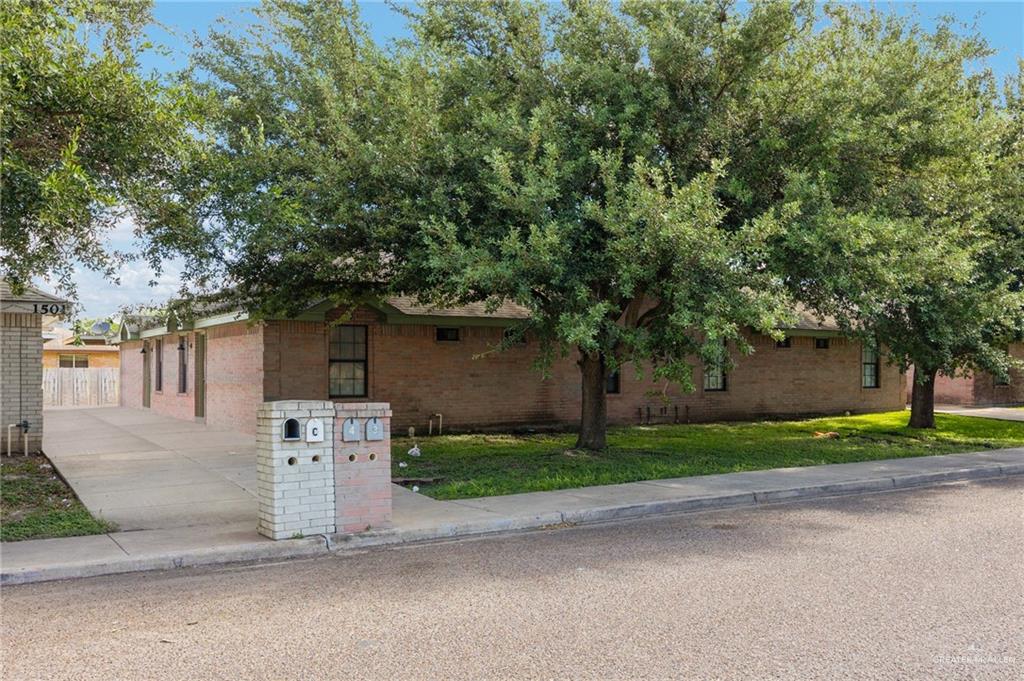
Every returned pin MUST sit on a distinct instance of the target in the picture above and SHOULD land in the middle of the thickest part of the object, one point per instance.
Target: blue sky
(1001, 22)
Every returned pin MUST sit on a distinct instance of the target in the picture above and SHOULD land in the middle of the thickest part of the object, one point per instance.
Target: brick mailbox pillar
(295, 468)
(322, 467)
(362, 466)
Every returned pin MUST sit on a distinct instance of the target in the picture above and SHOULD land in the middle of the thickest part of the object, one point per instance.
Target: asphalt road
(923, 584)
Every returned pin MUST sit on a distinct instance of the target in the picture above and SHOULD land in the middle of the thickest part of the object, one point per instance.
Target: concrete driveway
(1002, 413)
(146, 471)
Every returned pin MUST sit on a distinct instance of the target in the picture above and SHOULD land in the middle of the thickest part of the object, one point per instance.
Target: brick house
(442, 361)
(980, 388)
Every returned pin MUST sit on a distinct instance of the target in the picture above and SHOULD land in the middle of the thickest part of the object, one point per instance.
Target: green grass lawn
(461, 466)
(36, 504)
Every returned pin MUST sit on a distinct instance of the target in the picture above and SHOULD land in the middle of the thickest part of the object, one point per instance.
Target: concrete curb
(256, 551)
(335, 544)
(679, 506)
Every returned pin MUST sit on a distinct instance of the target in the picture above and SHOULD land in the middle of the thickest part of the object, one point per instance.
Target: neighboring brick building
(426, 362)
(21, 364)
(981, 388)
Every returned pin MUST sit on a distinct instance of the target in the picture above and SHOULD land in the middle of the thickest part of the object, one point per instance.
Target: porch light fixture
(142, 351)
(181, 345)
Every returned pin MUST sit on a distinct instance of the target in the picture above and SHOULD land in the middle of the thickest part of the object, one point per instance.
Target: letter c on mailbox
(314, 430)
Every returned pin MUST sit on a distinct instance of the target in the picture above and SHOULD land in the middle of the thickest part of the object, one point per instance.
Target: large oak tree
(570, 160)
(903, 165)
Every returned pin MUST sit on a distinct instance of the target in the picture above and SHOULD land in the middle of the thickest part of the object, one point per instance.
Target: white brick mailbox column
(323, 467)
(295, 468)
(362, 466)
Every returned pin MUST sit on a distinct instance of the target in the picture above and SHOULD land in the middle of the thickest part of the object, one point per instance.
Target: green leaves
(87, 140)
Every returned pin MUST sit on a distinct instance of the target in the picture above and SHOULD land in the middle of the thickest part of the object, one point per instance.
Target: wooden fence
(92, 387)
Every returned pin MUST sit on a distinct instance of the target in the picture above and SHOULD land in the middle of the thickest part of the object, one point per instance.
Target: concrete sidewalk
(419, 518)
(999, 413)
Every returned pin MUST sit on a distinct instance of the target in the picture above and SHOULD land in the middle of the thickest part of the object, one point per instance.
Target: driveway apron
(145, 471)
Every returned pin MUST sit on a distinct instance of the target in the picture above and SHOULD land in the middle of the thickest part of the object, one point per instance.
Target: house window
(869, 366)
(1002, 380)
(612, 383)
(159, 364)
(182, 364)
(513, 336)
(784, 343)
(445, 333)
(347, 370)
(73, 361)
(714, 378)
(821, 343)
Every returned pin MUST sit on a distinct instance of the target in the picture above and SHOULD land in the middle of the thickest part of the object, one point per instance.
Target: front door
(200, 362)
(147, 352)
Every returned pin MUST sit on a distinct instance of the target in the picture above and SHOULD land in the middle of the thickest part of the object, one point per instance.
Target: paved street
(918, 584)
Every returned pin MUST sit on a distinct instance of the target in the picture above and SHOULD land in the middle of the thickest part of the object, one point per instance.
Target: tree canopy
(650, 179)
(908, 193)
(88, 140)
(574, 160)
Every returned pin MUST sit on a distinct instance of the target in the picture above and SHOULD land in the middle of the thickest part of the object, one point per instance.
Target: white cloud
(101, 297)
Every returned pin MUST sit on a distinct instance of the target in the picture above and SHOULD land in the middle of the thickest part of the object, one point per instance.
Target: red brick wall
(234, 375)
(980, 388)
(131, 374)
(987, 392)
(294, 361)
(959, 390)
(475, 387)
(169, 401)
(772, 381)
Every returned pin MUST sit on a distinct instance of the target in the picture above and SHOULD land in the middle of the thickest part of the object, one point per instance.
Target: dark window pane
(821, 343)
(869, 366)
(612, 383)
(714, 378)
(348, 342)
(447, 333)
(67, 362)
(347, 379)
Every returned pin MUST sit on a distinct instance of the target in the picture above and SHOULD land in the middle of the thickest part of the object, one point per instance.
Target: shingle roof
(808, 321)
(31, 295)
(506, 310)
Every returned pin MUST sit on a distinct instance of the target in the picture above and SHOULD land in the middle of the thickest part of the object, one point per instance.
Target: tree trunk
(594, 417)
(922, 399)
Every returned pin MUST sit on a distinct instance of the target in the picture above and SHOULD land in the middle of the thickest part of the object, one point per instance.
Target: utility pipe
(440, 424)
(13, 425)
